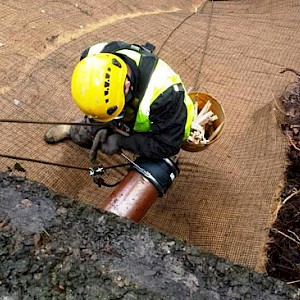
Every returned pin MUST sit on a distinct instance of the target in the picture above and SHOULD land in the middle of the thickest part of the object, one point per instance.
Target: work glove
(112, 144)
(99, 139)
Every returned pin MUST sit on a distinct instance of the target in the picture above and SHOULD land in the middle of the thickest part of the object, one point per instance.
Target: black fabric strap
(147, 65)
(115, 46)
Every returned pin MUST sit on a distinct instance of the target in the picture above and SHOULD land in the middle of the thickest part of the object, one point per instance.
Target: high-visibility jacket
(157, 78)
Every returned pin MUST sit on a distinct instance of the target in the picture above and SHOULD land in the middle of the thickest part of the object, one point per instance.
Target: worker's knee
(84, 134)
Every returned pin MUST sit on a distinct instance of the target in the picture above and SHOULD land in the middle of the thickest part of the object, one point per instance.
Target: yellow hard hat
(97, 86)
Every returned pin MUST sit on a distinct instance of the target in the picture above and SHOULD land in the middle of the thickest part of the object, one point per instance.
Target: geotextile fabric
(224, 198)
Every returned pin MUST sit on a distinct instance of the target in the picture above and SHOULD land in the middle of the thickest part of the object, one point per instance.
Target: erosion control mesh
(225, 196)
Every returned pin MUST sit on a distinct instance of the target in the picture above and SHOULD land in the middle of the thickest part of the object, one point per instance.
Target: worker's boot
(57, 134)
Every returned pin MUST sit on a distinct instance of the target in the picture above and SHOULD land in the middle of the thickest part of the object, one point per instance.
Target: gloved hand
(99, 139)
(112, 144)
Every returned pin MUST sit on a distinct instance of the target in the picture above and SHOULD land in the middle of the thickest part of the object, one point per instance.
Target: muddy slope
(55, 248)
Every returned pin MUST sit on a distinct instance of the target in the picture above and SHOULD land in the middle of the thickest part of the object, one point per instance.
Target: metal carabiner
(96, 171)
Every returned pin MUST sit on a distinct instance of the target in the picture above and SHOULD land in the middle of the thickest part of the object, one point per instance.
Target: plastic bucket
(218, 125)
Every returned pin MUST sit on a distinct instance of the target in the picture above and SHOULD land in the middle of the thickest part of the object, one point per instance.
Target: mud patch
(55, 248)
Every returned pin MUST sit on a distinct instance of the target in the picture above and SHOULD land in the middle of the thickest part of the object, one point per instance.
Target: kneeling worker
(128, 87)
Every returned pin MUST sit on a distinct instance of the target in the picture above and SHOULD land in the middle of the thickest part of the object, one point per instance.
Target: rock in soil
(53, 247)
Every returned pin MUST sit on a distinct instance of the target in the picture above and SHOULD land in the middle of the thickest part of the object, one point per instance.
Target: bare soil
(284, 250)
(52, 247)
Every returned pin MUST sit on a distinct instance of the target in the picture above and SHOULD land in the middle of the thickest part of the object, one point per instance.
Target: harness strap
(147, 62)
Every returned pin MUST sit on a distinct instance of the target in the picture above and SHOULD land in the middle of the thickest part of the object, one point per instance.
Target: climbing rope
(208, 32)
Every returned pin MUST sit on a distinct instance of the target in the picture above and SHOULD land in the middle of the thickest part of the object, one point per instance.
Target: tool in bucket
(208, 122)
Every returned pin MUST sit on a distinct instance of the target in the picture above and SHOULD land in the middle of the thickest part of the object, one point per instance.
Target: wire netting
(225, 196)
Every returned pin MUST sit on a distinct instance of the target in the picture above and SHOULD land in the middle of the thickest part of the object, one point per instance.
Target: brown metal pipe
(133, 197)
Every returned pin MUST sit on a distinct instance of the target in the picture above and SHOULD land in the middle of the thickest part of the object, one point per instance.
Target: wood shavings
(202, 129)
